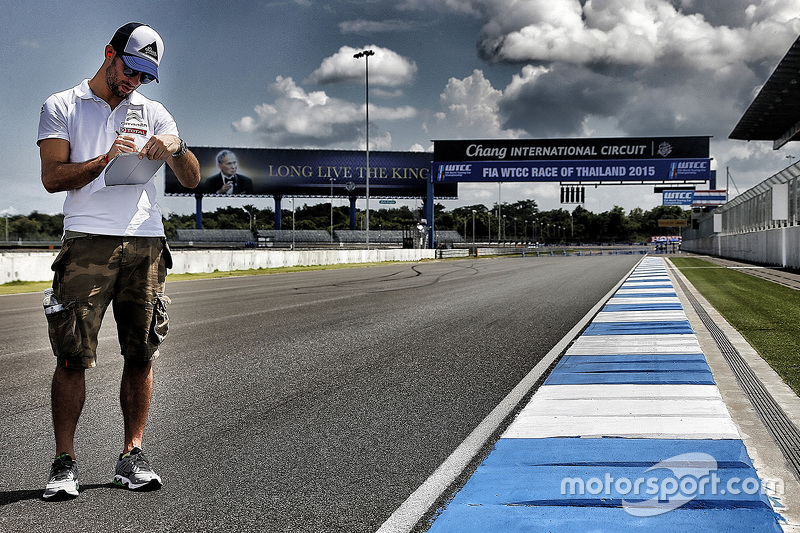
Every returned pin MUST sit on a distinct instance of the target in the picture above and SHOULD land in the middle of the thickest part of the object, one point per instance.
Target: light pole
(250, 217)
(499, 210)
(571, 227)
(473, 226)
(292, 223)
(365, 54)
(331, 210)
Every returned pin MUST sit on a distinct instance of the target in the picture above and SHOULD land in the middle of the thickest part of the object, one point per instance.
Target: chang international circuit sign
(599, 160)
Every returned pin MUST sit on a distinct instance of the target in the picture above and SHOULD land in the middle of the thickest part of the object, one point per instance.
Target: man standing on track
(114, 250)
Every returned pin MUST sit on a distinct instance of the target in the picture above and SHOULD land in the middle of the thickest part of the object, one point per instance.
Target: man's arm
(186, 168)
(58, 174)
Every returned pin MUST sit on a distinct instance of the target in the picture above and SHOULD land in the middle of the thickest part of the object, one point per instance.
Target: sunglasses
(144, 77)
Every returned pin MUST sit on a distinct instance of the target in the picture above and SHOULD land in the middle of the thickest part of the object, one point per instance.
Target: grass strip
(765, 313)
(18, 287)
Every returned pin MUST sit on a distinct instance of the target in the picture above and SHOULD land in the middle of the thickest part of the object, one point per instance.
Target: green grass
(17, 287)
(261, 271)
(765, 313)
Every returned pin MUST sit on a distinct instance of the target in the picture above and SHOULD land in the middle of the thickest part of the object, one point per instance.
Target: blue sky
(275, 74)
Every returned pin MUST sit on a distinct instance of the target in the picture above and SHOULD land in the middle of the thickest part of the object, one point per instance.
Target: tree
(557, 225)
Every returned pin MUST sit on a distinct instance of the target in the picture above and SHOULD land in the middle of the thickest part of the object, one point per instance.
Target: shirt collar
(85, 92)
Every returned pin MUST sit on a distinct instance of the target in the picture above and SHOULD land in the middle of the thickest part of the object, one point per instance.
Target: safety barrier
(35, 266)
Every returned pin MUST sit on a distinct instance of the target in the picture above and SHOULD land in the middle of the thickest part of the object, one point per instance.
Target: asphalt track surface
(314, 401)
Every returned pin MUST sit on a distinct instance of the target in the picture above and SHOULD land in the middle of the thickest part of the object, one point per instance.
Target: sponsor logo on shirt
(134, 123)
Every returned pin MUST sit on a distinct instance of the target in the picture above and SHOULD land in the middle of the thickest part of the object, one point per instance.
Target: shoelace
(138, 462)
(62, 467)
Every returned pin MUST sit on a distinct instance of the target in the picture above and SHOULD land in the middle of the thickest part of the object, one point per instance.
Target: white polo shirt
(90, 125)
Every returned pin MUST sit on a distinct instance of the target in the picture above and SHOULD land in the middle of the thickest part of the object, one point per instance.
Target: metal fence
(761, 225)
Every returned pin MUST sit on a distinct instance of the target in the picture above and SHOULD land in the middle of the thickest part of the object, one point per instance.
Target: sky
(281, 74)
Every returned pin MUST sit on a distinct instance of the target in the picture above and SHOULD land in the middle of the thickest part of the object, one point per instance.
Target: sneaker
(63, 482)
(134, 472)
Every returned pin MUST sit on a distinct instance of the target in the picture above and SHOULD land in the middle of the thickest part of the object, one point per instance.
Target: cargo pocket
(64, 333)
(58, 262)
(159, 325)
(166, 255)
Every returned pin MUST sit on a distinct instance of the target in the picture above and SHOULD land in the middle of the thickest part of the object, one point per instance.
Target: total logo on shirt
(134, 123)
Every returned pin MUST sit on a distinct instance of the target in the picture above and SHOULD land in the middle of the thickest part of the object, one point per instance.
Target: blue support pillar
(278, 220)
(198, 211)
(429, 210)
(353, 212)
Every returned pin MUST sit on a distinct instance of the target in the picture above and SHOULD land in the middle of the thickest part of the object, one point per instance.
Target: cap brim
(142, 65)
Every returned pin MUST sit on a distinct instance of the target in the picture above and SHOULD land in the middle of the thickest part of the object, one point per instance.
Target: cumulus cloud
(299, 118)
(470, 108)
(634, 32)
(386, 68)
(679, 67)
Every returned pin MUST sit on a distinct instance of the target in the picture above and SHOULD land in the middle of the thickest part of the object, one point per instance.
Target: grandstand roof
(774, 115)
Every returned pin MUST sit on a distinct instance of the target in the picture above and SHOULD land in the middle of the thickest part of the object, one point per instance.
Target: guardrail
(449, 253)
(35, 266)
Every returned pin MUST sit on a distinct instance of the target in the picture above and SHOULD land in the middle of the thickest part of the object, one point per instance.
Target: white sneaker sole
(151, 484)
(65, 489)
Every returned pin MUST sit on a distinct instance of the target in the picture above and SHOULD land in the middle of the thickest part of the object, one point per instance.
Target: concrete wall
(35, 266)
(776, 246)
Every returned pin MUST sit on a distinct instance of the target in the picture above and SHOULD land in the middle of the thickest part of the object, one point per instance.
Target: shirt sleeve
(52, 120)
(163, 124)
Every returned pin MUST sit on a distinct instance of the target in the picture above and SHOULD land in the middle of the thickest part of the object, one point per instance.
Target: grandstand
(217, 237)
(449, 237)
(287, 236)
(348, 236)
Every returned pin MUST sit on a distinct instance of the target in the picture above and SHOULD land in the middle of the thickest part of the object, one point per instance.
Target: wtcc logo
(687, 477)
(688, 168)
(678, 195)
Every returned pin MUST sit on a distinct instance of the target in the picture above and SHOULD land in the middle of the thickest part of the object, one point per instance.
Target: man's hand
(160, 147)
(122, 144)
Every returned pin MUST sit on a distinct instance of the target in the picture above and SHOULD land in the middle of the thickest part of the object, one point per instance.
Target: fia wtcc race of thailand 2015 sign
(657, 159)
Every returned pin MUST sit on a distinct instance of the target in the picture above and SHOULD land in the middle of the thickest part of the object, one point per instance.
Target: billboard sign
(258, 172)
(656, 159)
(710, 198)
(629, 170)
(678, 198)
(572, 149)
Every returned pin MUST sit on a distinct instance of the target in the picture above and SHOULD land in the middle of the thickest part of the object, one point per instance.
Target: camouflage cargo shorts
(93, 271)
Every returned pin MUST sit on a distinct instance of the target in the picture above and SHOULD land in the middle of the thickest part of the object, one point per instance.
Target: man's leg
(67, 394)
(133, 470)
(134, 396)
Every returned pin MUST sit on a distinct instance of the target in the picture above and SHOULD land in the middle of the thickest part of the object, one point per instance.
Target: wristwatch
(182, 150)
